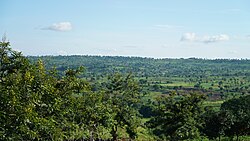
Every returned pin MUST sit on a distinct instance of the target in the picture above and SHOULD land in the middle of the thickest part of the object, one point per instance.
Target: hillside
(218, 79)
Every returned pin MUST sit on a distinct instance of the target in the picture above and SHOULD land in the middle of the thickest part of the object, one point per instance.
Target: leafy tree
(123, 94)
(15, 106)
(238, 110)
(95, 114)
(10, 60)
(36, 104)
(215, 124)
(178, 117)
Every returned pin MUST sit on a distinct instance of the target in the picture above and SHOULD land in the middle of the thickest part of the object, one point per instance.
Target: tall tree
(123, 94)
(36, 104)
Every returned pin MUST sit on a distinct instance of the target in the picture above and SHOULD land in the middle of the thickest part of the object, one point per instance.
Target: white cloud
(62, 26)
(205, 39)
(248, 36)
(215, 38)
(188, 37)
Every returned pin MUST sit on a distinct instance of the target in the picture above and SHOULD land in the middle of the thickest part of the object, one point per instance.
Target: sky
(147, 28)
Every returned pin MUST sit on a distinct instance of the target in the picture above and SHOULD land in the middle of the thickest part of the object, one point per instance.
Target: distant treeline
(149, 66)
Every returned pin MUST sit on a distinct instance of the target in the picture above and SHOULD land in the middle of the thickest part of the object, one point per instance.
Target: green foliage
(214, 124)
(10, 61)
(233, 119)
(41, 102)
(238, 118)
(35, 104)
(178, 117)
(219, 79)
(123, 94)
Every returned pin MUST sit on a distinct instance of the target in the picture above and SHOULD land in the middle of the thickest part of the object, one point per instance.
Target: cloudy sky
(147, 28)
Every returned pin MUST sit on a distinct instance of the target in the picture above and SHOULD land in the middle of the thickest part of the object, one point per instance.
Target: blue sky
(147, 28)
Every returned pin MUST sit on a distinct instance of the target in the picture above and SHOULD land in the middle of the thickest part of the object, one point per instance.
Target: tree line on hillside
(40, 104)
(99, 65)
(219, 79)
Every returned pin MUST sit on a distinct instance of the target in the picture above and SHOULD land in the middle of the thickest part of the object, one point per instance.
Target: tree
(10, 60)
(178, 117)
(36, 104)
(95, 114)
(215, 124)
(123, 94)
(239, 119)
(15, 106)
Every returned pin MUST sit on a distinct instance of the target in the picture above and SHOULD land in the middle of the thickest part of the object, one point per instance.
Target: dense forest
(122, 98)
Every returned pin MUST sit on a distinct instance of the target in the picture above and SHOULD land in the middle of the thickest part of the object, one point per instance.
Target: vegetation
(178, 118)
(219, 79)
(49, 98)
(38, 104)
